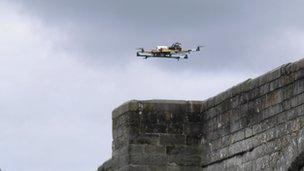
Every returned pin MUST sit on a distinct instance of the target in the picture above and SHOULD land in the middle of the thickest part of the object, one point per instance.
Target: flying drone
(175, 51)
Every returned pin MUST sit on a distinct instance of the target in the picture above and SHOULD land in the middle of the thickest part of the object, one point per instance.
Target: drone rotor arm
(140, 50)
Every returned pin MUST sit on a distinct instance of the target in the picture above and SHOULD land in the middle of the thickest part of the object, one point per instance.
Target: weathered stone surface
(255, 125)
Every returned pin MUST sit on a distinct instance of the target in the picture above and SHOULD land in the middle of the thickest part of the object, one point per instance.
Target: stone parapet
(255, 125)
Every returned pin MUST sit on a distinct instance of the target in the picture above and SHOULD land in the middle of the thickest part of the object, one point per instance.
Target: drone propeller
(140, 49)
(199, 48)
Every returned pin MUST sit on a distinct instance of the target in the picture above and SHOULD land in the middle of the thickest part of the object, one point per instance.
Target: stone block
(122, 119)
(291, 114)
(299, 64)
(121, 151)
(152, 139)
(224, 152)
(193, 117)
(225, 140)
(237, 136)
(263, 162)
(192, 128)
(121, 131)
(300, 110)
(248, 166)
(243, 146)
(193, 139)
(189, 168)
(271, 111)
(235, 115)
(156, 168)
(273, 98)
(237, 147)
(148, 159)
(153, 128)
(119, 143)
(194, 106)
(299, 74)
(236, 125)
(281, 118)
(223, 131)
(154, 149)
(256, 129)
(182, 150)
(136, 148)
(135, 168)
(168, 139)
(132, 105)
(299, 87)
(248, 132)
(268, 123)
(211, 113)
(264, 89)
(275, 84)
(182, 160)
(123, 160)
(288, 91)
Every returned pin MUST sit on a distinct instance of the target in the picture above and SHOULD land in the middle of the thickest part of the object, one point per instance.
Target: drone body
(175, 51)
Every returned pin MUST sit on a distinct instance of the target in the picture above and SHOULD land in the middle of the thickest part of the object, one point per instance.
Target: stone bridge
(255, 125)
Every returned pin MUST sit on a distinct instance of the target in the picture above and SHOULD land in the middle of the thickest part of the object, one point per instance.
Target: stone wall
(256, 125)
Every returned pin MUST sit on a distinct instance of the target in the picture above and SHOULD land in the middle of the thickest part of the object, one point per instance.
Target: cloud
(235, 33)
(49, 102)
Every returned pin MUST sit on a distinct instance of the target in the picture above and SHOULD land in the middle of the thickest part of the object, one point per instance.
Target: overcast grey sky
(64, 65)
